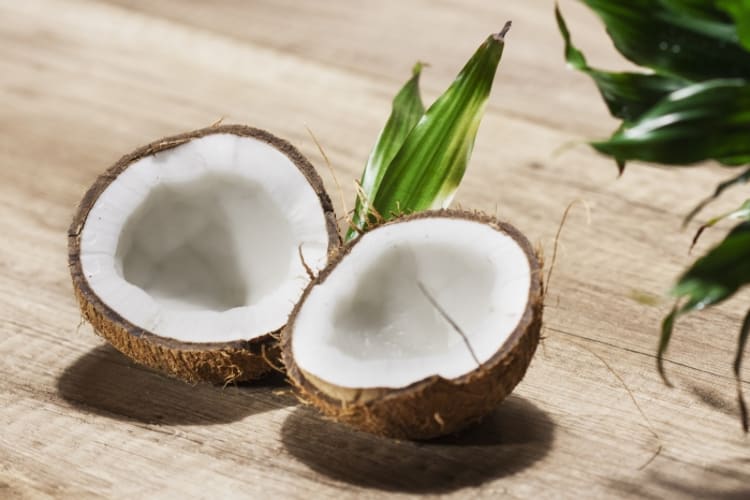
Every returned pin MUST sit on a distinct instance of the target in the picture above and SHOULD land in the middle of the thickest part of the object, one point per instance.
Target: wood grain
(83, 82)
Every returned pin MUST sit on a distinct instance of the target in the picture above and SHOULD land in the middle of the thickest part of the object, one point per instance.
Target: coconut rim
(102, 182)
(533, 308)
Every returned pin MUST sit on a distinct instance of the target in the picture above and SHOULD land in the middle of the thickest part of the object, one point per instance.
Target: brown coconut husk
(434, 406)
(219, 362)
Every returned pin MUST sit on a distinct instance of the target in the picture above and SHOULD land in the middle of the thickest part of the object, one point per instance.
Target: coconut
(189, 254)
(419, 327)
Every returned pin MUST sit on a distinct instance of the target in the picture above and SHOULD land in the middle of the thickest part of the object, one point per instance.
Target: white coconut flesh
(199, 243)
(371, 323)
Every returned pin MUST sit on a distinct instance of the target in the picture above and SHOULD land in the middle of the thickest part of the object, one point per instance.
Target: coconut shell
(220, 362)
(434, 406)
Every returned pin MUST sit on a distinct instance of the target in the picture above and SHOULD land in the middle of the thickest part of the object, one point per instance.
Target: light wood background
(83, 82)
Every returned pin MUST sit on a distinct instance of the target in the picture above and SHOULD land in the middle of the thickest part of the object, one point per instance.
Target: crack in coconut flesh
(388, 337)
(187, 255)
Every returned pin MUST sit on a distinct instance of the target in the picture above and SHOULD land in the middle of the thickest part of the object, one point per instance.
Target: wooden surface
(83, 82)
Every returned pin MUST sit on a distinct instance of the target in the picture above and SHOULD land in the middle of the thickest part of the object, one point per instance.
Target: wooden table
(83, 82)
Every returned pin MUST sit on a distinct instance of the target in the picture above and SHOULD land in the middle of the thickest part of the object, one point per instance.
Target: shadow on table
(514, 437)
(715, 399)
(105, 382)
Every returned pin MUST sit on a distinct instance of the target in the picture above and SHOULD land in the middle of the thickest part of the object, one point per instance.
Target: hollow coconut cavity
(420, 327)
(189, 254)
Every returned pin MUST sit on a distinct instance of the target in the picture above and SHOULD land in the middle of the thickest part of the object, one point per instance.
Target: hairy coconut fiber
(218, 362)
(433, 406)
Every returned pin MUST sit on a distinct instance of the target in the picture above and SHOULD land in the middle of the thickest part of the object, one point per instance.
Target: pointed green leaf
(709, 120)
(429, 166)
(406, 111)
(685, 38)
(718, 274)
(710, 280)
(707, 44)
(743, 212)
(741, 343)
(723, 186)
(667, 327)
(627, 95)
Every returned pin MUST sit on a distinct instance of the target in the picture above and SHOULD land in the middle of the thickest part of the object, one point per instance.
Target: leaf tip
(697, 236)
(562, 26)
(663, 373)
(500, 36)
(418, 67)
(743, 411)
(620, 167)
(667, 327)
(737, 368)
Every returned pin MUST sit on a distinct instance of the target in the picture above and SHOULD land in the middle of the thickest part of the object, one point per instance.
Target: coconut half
(420, 327)
(189, 254)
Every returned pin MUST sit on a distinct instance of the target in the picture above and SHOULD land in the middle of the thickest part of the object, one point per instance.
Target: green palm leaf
(708, 120)
(743, 212)
(426, 171)
(405, 114)
(695, 106)
(741, 178)
(710, 280)
(627, 95)
(668, 37)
